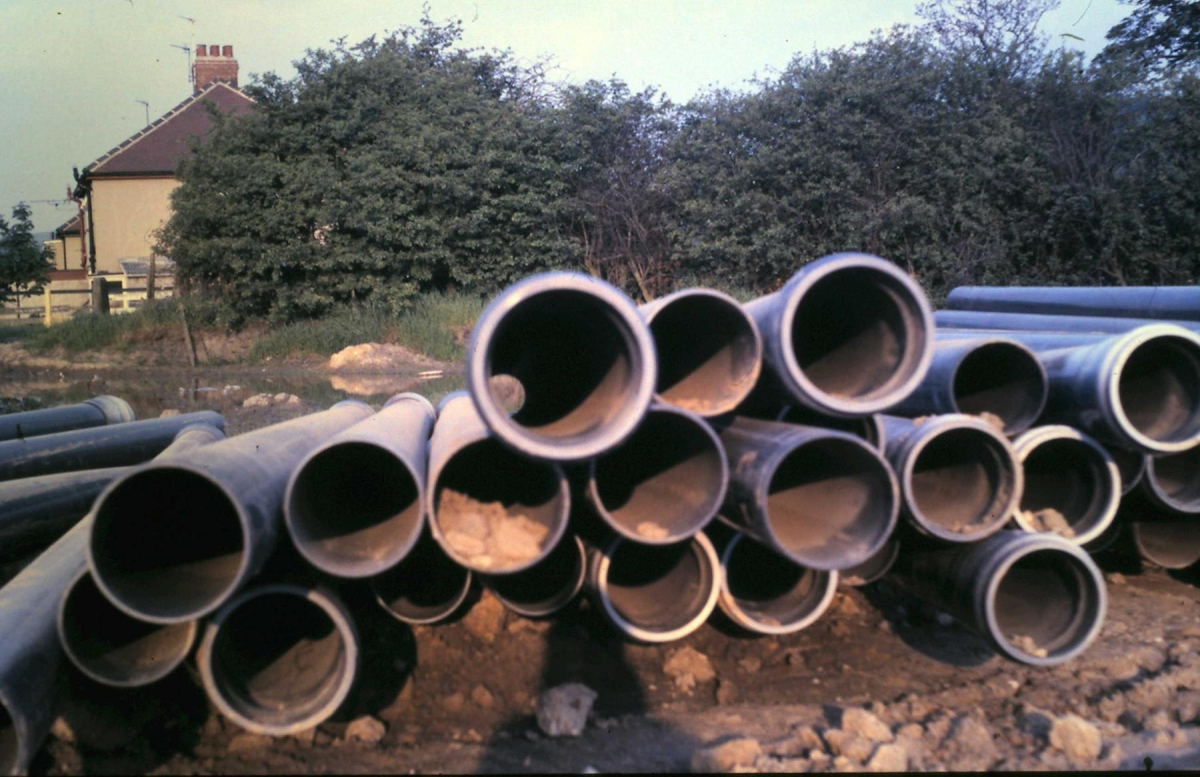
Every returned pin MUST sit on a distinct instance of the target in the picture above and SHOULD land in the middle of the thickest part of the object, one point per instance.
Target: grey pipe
(279, 658)
(820, 498)
(995, 375)
(548, 586)
(665, 482)
(873, 568)
(849, 334)
(1171, 483)
(101, 446)
(656, 593)
(958, 474)
(356, 505)
(492, 510)
(225, 505)
(1033, 322)
(1156, 302)
(34, 512)
(765, 593)
(424, 588)
(97, 411)
(1068, 476)
(1169, 544)
(1035, 598)
(581, 353)
(868, 427)
(709, 350)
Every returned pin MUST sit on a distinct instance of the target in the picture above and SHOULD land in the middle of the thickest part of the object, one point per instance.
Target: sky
(71, 71)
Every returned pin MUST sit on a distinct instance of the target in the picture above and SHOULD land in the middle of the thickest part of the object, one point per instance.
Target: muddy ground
(461, 697)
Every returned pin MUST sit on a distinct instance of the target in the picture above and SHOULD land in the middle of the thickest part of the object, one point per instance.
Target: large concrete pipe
(491, 509)
(873, 568)
(849, 334)
(118, 445)
(34, 512)
(279, 658)
(424, 588)
(582, 355)
(821, 498)
(356, 505)
(112, 647)
(665, 482)
(959, 475)
(1157, 302)
(1035, 598)
(97, 411)
(765, 593)
(1032, 322)
(30, 655)
(868, 427)
(1171, 544)
(546, 587)
(173, 540)
(994, 375)
(709, 350)
(656, 593)
(1072, 485)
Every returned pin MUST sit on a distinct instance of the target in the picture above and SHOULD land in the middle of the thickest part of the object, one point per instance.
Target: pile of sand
(1049, 520)
(488, 535)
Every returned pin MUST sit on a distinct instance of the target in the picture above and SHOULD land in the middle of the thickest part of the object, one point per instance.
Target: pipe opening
(1159, 389)
(873, 568)
(279, 660)
(574, 357)
(962, 483)
(1070, 478)
(866, 428)
(546, 587)
(858, 333)
(10, 744)
(355, 509)
(659, 588)
(113, 648)
(1046, 604)
(1170, 544)
(708, 353)
(498, 511)
(772, 591)
(1003, 379)
(425, 587)
(663, 483)
(168, 543)
(830, 503)
(1178, 479)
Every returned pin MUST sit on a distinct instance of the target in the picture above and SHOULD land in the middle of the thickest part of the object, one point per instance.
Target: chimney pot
(214, 50)
(201, 50)
(227, 51)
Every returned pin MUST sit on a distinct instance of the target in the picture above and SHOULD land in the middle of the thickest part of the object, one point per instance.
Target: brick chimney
(214, 63)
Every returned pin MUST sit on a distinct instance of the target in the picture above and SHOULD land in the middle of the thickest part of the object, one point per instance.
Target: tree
(1160, 34)
(1003, 34)
(24, 265)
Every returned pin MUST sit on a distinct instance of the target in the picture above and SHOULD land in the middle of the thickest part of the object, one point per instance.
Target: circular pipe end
(1153, 387)
(546, 588)
(1173, 481)
(412, 396)
(424, 588)
(1072, 485)
(1005, 379)
(1169, 544)
(873, 568)
(115, 409)
(765, 593)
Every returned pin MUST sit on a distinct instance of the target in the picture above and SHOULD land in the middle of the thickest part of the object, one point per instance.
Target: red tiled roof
(71, 227)
(159, 147)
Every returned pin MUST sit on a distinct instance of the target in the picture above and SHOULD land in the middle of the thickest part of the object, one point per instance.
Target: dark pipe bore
(768, 594)
(1176, 480)
(1046, 604)
(546, 587)
(660, 592)
(1160, 389)
(9, 744)
(1170, 544)
(1070, 478)
(423, 588)
(962, 483)
(1003, 379)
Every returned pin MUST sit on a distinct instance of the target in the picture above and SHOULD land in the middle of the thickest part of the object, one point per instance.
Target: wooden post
(47, 319)
(150, 279)
(189, 344)
(100, 295)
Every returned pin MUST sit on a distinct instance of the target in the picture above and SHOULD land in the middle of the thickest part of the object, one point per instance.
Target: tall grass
(87, 332)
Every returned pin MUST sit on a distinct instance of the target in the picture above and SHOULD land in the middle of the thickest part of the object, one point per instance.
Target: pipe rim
(1029, 417)
(448, 609)
(563, 598)
(341, 623)
(19, 733)
(1152, 482)
(412, 396)
(579, 446)
(115, 409)
(879, 399)
(1148, 553)
(706, 551)
(729, 603)
(877, 566)
(1110, 389)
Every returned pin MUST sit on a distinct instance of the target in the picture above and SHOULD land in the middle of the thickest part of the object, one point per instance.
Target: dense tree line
(967, 149)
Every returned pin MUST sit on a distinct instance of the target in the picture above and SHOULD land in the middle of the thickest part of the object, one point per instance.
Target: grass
(88, 332)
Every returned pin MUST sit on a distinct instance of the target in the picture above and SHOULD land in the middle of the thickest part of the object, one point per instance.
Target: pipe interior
(864, 427)
(708, 354)
(575, 358)
(659, 588)
(830, 500)
(1170, 544)
(168, 543)
(10, 745)
(545, 587)
(1160, 389)
(770, 589)
(110, 644)
(1178, 476)
(873, 568)
(1002, 379)
(962, 482)
(665, 481)
(1068, 476)
(278, 659)
(425, 586)
(858, 334)
(496, 509)
(1046, 601)
(356, 507)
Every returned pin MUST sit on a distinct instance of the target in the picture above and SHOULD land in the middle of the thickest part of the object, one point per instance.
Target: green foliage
(24, 265)
(1160, 34)
(88, 331)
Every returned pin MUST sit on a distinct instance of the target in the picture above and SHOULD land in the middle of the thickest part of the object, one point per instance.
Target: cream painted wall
(73, 258)
(125, 212)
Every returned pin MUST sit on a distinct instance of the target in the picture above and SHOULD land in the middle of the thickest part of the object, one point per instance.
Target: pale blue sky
(70, 70)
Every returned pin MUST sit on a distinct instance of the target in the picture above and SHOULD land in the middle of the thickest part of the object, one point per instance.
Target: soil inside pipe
(1065, 488)
(278, 659)
(1170, 544)
(770, 589)
(168, 543)
(1160, 389)
(961, 481)
(573, 358)
(544, 587)
(1178, 475)
(354, 506)
(1002, 379)
(658, 588)
(706, 354)
(426, 585)
(664, 482)
(9, 745)
(1045, 604)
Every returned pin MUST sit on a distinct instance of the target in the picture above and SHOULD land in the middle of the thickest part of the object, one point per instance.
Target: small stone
(847, 606)
(454, 702)
(258, 400)
(888, 758)
(472, 736)
(305, 737)
(483, 697)
(726, 756)
(727, 692)
(485, 618)
(1036, 722)
(365, 729)
(61, 730)
(865, 724)
(1158, 721)
(851, 745)
(243, 742)
(750, 665)
(1076, 737)
(807, 739)
(322, 739)
(839, 629)
(795, 658)
(169, 413)
(967, 746)
(688, 666)
(1115, 578)
(563, 710)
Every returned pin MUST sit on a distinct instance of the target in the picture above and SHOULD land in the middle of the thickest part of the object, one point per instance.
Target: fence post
(100, 295)
(47, 318)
